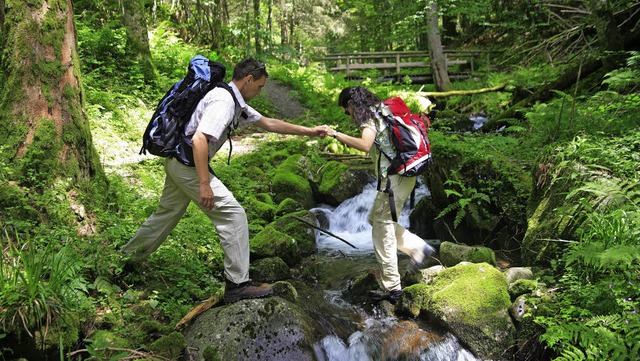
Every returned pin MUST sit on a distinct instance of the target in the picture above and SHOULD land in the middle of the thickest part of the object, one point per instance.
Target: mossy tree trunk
(438, 60)
(45, 134)
(135, 22)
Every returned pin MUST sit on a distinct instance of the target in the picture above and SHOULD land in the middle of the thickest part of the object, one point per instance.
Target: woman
(388, 236)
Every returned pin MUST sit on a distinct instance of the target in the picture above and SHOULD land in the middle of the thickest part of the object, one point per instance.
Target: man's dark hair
(361, 100)
(250, 66)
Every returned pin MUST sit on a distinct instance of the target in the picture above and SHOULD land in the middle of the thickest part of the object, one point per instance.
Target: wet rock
(516, 273)
(291, 180)
(258, 329)
(302, 233)
(451, 254)
(169, 346)
(522, 287)
(470, 300)
(272, 243)
(269, 270)
(339, 183)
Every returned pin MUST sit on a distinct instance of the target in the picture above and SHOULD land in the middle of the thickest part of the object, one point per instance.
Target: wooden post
(348, 63)
(398, 67)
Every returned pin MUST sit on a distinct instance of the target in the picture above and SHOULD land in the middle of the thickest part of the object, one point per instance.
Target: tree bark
(135, 22)
(256, 21)
(610, 40)
(47, 134)
(216, 43)
(1, 16)
(438, 60)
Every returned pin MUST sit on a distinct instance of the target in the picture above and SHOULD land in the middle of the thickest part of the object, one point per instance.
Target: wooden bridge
(460, 63)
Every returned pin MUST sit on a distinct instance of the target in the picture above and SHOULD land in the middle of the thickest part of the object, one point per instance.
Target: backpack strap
(234, 125)
(388, 189)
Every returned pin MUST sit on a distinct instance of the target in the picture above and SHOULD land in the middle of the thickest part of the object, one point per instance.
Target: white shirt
(378, 125)
(216, 112)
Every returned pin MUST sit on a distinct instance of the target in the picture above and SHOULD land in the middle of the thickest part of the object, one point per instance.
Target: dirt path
(116, 151)
(280, 96)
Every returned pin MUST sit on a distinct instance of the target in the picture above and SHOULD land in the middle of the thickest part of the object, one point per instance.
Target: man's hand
(206, 196)
(321, 131)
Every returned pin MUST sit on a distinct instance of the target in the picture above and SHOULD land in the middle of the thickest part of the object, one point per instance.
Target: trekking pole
(323, 231)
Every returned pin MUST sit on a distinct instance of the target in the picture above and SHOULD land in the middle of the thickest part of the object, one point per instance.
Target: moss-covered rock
(451, 254)
(169, 346)
(272, 328)
(270, 242)
(339, 183)
(260, 209)
(288, 205)
(302, 233)
(286, 291)
(550, 216)
(472, 301)
(291, 180)
(104, 342)
(522, 287)
(490, 191)
(269, 270)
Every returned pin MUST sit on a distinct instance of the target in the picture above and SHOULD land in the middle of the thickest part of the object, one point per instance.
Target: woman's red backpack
(408, 133)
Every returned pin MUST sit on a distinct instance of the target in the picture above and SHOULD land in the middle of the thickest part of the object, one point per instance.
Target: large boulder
(471, 300)
(270, 242)
(478, 193)
(296, 225)
(291, 180)
(258, 329)
(451, 254)
(338, 183)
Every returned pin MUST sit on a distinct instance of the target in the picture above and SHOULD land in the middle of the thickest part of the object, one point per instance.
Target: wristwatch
(335, 134)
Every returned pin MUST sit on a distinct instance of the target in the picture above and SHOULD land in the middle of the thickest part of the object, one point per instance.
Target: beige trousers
(228, 217)
(389, 236)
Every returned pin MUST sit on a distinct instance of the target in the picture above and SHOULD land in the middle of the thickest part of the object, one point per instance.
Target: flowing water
(379, 336)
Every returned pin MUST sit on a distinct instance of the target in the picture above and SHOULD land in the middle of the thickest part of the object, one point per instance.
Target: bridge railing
(398, 60)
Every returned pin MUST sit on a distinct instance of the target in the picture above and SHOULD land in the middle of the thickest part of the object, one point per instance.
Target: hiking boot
(235, 292)
(427, 251)
(391, 296)
(394, 296)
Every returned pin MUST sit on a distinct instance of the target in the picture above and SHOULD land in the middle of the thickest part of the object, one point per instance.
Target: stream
(377, 335)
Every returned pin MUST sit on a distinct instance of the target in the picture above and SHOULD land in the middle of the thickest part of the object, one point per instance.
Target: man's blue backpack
(164, 135)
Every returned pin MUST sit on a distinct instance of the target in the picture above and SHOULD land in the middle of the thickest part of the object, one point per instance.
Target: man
(215, 113)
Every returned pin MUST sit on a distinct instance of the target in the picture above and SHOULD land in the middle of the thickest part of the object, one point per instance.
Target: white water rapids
(349, 221)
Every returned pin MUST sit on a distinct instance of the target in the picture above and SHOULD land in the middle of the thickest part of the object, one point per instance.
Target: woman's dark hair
(250, 66)
(361, 100)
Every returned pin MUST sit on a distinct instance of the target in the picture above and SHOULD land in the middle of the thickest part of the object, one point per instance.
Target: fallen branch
(133, 354)
(460, 92)
(205, 305)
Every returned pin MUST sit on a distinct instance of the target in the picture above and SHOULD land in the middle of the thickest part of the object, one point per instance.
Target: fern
(467, 202)
(609, 337)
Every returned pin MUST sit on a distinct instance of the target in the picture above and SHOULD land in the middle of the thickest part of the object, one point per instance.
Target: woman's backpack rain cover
(165, 131)
(408, 134)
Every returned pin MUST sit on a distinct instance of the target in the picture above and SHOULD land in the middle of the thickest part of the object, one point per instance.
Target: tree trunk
(438, 60)
(256, 21)
(1, 16)
(45, 133)
(270, 24)
(284, 38)
(135, 22)
(610, 40)
(216, 43)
